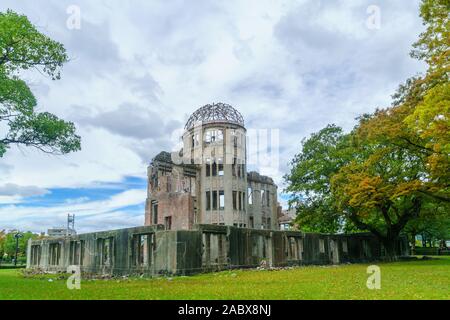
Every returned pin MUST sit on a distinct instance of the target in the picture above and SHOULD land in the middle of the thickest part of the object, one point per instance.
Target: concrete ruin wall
(152, 251)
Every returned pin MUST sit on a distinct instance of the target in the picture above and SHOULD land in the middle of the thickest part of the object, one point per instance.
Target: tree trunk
(389, 246)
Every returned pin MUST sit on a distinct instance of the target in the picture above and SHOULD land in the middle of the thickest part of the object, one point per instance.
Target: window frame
(221, 200)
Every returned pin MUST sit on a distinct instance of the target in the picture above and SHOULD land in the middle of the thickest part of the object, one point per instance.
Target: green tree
(2, 243)
(23, 47)
(322, 155)
(433, 224)
(433, 44)
(10, 243)
(399, 162)
(429, 119)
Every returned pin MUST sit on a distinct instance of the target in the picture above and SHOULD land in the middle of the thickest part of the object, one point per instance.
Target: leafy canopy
(8, 243)
(23, 47)
(394, 165)
(309, 180)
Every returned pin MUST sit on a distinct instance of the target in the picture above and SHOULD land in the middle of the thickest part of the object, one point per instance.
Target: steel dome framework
(216, 112)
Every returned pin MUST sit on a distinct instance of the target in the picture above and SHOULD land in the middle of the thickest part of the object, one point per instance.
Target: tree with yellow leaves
(406, 147)
(396, 160)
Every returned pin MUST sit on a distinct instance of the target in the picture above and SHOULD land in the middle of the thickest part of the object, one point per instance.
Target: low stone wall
(151, 251)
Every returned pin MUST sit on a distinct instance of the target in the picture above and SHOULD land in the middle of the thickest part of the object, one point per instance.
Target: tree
(23, 47)
(433, 43)
(430, 121)
(419, 120)
(2, 243)
(376, 191)
(10, 243)
(430, 116)
(347, 181)
(394, 128)
(399, 156)
(399, 172)
(433, 225)
(322, 155)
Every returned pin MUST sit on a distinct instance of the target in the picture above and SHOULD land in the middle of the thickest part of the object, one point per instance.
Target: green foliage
(23, 47)
(2, 242)
(433, 224)
(45, 132)
(8, 244)
(433, 44)
(395, 164)
(323, 154)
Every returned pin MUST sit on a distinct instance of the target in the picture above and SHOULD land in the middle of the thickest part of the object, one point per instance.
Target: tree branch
(385, 211)
(364, 226)
(427, 150)
(409, 213)
(38, 145)
(435, 196)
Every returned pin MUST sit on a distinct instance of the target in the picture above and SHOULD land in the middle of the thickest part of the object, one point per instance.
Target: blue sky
(138, 69)
(102, 191)
(91, 205)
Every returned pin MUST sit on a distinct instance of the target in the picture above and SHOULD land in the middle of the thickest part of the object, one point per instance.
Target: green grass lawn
(422, 279)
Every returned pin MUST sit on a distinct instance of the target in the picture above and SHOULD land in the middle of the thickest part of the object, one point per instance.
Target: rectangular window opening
(214, 200)
(344, 246)
(208, 200)
(220, 167)
(322, 246)
(214, 169)
(168, 223)
(55, 254)
(221, 200)
(240, 200)
(155, 212)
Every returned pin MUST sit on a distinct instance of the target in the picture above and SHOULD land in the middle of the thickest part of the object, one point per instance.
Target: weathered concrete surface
(211, 185)
(151, 250)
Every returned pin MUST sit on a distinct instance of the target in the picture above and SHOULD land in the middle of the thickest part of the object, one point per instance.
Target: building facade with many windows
(215, 211)
(207, 182)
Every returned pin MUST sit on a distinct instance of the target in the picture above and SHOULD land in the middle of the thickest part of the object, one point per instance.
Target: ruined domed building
(204, 212)
(207, 181)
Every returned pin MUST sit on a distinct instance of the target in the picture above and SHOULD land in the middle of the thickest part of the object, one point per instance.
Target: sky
(138, 69)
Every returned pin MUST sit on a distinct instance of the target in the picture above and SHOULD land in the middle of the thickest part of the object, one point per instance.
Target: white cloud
(11, 193)
(11, 189)
(77, 200)
(40, 218)
(138, 70)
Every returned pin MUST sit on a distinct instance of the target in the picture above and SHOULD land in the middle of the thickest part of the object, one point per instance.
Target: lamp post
(18, 235)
